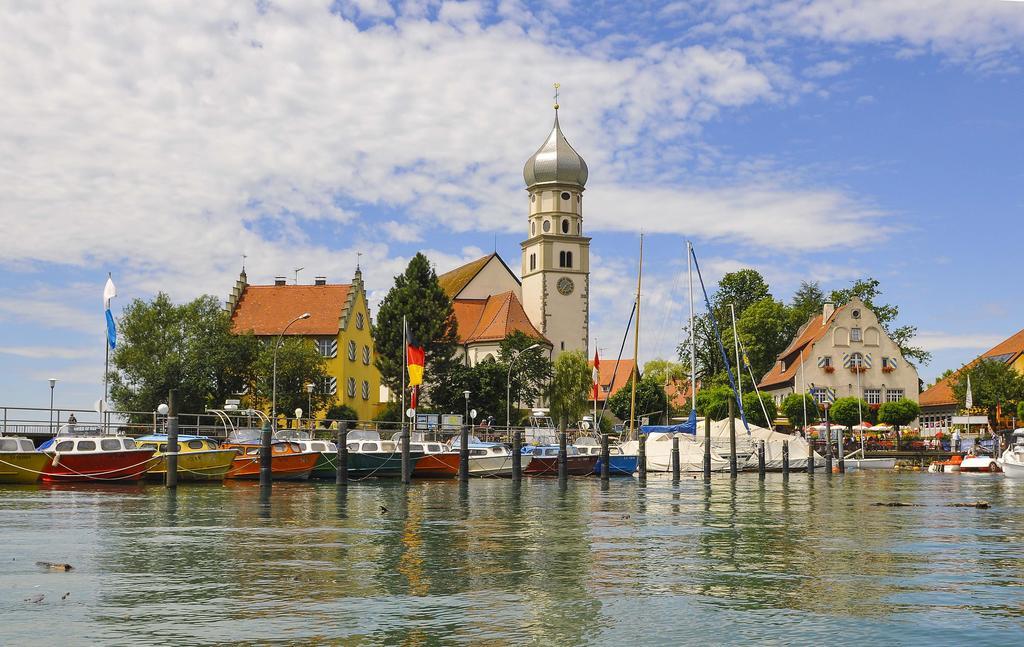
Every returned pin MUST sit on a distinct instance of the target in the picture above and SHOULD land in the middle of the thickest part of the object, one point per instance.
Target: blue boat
(619, 464)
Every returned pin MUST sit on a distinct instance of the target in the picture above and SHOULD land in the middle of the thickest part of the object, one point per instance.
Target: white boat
(869, 463)
(486, 459)
(976, 463)
(1012, 460)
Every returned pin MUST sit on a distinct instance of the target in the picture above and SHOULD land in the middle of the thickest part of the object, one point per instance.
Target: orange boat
(287, 460)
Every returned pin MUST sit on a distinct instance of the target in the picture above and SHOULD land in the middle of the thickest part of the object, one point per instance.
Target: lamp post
(466, 419)
(53, 383)
(309, 401)
(508, 390)
(277, 345)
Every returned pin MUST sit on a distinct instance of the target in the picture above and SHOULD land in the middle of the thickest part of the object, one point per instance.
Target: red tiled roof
(811, 332)
(267, 309)
(621, 374)
(941, 393)
(493, 319)
(678, 392)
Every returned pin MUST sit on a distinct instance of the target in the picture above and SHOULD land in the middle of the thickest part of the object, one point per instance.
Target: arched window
(565, 225)
(366, 355)
(366, 390)
(533, 228)
(360, 321)
(547, 226)
(568, 259)
(351, 387)
(352, 350)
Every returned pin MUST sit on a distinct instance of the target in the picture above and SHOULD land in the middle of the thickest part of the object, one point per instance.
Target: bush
(713, 402)
(844, 411)
(793, 408)
(898, 413)
(755, 413)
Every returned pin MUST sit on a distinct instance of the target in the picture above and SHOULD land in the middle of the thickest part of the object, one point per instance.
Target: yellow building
(339, 325)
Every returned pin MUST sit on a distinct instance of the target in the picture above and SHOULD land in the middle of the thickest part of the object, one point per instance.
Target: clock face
(565, 285)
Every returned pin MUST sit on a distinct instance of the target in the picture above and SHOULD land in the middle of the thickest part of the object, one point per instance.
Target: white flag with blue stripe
(109, 292)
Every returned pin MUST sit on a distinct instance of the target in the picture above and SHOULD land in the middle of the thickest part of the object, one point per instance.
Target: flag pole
(693, 339)
(405, 353)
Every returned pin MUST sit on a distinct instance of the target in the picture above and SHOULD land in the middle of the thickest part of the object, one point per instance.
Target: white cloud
(826, 69)
(936, 341)
(47, 352)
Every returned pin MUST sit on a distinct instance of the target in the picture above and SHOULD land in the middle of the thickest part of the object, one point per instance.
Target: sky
(823, 140)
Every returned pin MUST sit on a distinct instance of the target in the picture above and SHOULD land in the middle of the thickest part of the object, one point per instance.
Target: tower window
(533, 262)
(533, 198)
(564, 259)
(547, 226)
(533, 228)
(566, 196)
(565, 226)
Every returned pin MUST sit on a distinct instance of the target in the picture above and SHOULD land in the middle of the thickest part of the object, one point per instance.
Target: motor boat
(88, 454)
(326, 462)
(545, 461)
(851, 462)
(1012, 460)
(950, 466)
(199, 458)
(436, 462)
(288, 461)
(619, 463)
(368, 455)
(485, 459)
(20, 461)
(976, 462)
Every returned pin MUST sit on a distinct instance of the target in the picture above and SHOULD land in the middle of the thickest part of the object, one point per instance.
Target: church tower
(556, 255)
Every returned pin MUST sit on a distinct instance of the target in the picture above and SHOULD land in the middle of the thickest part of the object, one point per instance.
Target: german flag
(415, 359)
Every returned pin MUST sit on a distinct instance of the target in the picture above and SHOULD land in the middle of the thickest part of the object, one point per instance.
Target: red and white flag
(597, 373)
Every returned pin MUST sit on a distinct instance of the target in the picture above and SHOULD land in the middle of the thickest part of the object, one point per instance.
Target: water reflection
(493, 562)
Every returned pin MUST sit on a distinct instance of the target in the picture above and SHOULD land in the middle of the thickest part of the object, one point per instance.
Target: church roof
(456, 280)
(941, 393)
(555, 162)
(267, 309)
(493, 319)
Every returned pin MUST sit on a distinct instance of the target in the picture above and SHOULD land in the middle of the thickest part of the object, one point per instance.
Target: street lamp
(277, 345)
(466, 394)
(309, 392)
(508, 390)
(53, 383)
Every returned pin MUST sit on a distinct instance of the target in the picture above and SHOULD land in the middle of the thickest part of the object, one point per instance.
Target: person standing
(72, 421)
(955, 443)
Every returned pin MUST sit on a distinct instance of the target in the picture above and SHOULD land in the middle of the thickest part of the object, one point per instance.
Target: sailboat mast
(803, 390)
(736, 346)
(693, 333)
(636, 345)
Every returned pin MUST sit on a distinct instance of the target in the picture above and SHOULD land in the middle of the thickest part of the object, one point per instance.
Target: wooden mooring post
(341, 458)
(406, 456)
(563, 465)
(172, 439)
(605, 458)
(785, 459)
(707, 448)
(641, 456)
(828, 443)
(760, 460)
(266, 469)
(810, 455)
(675, 458)
(517, 455)
(464, 454)
(842, 450)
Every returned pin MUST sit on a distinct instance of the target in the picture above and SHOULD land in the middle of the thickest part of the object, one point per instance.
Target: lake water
(811, 560)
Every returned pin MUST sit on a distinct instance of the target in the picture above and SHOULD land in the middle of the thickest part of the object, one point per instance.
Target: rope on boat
(94, 475)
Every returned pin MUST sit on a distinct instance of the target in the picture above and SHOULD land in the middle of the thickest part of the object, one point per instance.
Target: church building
(551, 300)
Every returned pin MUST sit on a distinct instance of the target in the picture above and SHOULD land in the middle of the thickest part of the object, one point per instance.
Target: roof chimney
(827, 311)
(320, 280)
(279, 280)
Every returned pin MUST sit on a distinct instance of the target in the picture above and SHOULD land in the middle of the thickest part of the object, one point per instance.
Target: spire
(556, 161)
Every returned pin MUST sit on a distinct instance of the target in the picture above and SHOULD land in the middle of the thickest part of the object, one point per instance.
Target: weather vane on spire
(557, 85)
(359, 255)
(244, 256)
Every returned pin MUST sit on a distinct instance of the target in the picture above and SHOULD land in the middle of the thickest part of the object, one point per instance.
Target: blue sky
(810, 139)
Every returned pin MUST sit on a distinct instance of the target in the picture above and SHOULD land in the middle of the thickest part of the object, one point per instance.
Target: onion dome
(556, 162)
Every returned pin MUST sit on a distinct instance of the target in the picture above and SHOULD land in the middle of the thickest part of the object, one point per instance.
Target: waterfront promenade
(806, 560)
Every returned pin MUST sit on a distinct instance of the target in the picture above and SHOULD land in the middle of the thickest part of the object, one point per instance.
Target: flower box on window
(858, 369)
(830, 369)
(888, 369)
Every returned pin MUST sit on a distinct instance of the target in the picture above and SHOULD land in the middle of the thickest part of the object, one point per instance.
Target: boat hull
(447, 464)
(1012, 469)
(618, 465)
(870, 463)
(22, 467)
(128, 465)
(437, 466)
(201, 465)
(979, 464)
(548, 465)
(283, 467)
(379, 464)
(326, 466)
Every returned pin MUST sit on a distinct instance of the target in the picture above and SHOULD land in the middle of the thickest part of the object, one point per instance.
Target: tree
(665, 371)
(188, 347)
(531, 372)
(867, 290)
(754, 407)
(298, 364)
(418, 298)
(570, 387)
(899, 413)
(340, 412)
(650, 399)
(794, 405)
(713, 402)
(844, 411)
(993, 384)
(742, 289)
(765, 331)
(807, 301)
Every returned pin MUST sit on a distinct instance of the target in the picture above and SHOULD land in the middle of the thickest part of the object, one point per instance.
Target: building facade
(939, 404)
(339, 325)
(847, 351)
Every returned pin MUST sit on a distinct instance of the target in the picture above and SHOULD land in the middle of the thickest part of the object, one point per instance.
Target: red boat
(90, 455)
(287, 460)
(545, 461)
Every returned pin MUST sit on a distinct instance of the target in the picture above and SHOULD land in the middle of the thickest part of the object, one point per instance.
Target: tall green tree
(188, 347)
(765, 330)
(298, 363)
(570, 387)
(532, 370)
(756, 405)
(994, 384)
(794, 405)
(844, 411)
(807, 301)
(486, 385)
(742, 289)
(417, 296)
(651, 400)
(868, 291)
(713, 402)
(898, 414)
(665, 371)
